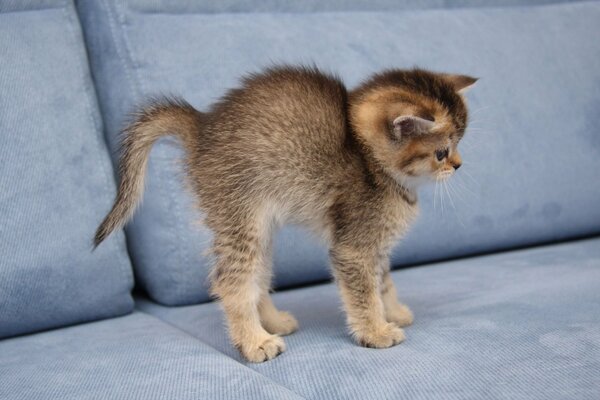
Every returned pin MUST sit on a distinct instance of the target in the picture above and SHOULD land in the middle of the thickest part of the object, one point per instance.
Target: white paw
(283, 323)
(263, 351)
(381, 337)
(400, 315)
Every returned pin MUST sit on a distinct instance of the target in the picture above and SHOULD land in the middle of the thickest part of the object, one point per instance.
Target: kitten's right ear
(461, 83)
(407, 125)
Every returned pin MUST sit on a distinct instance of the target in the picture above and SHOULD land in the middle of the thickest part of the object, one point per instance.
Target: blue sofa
(504, 276)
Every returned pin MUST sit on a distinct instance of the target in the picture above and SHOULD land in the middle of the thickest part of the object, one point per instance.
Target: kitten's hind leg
(236, 282)
(395, 311)
(274, 321)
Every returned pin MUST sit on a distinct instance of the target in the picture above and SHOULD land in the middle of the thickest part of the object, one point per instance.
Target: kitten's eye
(441, 154)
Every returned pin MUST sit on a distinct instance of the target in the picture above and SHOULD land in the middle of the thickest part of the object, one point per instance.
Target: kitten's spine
(161, 118)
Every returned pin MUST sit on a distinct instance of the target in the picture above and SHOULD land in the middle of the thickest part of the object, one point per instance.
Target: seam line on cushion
(500, 250)
(94, 122)
(56, 7)
(113, 22)
(186, 332)
(382, 10)
(121, 48)
(215, 349)
(168, 195)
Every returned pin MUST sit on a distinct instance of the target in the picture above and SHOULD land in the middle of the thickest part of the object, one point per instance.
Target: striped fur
(293, 145)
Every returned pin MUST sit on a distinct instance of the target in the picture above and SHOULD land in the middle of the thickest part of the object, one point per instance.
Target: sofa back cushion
(531, 154)
(56, 180)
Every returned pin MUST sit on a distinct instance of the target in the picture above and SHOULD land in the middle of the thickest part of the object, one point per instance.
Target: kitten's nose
(456, 166)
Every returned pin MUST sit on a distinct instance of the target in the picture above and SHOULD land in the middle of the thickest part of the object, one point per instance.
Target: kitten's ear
(461, 83)
(406, 125)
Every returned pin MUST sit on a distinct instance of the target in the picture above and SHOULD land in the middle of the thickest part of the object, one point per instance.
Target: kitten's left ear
(461, 83)
(406, 125)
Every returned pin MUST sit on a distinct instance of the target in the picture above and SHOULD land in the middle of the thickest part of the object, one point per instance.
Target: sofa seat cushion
(521, 324)
(531, 155)
(56, 178)
(132, 357)
(256, 6)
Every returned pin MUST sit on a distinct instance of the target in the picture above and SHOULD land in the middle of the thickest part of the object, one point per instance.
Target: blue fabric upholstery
(531, 155)
(30, 5)
(56, 178)
(133, 357)
(518, 325)
(254, 6)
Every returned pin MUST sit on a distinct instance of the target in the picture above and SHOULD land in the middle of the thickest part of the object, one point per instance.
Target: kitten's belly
(317, 224)
(311, 215)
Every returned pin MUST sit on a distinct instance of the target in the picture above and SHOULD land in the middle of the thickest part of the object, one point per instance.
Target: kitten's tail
(160, 118)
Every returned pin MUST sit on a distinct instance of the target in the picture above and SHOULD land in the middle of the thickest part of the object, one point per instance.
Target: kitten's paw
(263, 351)
(400, 315)
(283, 323)
(381, 337)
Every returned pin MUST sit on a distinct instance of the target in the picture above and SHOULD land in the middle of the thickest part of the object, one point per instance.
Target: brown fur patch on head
(375, 105)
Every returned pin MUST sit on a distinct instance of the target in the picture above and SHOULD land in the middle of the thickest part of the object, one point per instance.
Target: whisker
(479, 129)
(465, 172)
(435, 188)
(462, 185)
(478, 110)
(478, 121)
(447, 186)
(468, 175)
(456, 190)
(442, 196)
(449, 196)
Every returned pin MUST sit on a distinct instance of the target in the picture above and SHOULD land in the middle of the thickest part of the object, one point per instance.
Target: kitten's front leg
(395, 311)
(273, 320)
(358, 275)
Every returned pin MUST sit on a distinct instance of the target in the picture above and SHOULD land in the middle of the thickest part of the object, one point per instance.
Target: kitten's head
(412, 121)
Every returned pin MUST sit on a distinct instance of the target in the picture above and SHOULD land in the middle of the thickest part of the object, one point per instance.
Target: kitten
(292, 145)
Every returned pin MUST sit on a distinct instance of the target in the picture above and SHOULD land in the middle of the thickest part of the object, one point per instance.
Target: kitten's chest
(396, 219)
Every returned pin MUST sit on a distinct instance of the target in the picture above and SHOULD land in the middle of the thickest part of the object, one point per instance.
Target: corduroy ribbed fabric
(516, 325)
(56, 179)
(530, 154)
(136, 357)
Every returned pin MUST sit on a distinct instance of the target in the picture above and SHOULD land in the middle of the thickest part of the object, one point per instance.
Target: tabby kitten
(292, 145)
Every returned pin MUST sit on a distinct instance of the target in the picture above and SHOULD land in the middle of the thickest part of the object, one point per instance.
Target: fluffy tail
(160, 118)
